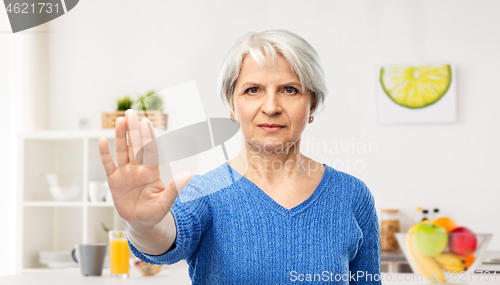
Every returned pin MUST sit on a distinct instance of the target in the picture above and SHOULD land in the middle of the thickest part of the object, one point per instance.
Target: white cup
(97, 191)
(107, 197)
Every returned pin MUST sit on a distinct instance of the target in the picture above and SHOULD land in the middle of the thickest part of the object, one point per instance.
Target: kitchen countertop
(178, 274)
(398, 255)
(173, 274)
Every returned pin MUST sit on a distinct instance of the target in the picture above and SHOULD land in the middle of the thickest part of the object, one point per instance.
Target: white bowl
(64, 193)
(64, 187)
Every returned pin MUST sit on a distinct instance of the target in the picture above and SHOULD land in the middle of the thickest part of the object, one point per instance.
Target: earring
(311, 119)
(232, 120)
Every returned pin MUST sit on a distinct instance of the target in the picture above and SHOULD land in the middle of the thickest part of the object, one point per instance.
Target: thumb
(174, 188)
(181, 180)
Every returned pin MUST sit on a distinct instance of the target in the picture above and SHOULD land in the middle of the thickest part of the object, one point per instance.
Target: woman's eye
(290, 90)
(253, 90)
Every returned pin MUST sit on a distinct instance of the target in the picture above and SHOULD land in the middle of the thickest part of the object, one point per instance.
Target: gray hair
(300, 55)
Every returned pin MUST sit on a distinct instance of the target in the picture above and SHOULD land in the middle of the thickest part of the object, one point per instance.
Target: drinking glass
(119, 254)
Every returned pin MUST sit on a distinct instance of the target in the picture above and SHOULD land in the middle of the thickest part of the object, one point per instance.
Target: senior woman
(271, 215)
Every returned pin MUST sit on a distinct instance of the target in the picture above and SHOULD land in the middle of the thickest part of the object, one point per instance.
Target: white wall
(5, 195)
(23, 93)
(105, 49)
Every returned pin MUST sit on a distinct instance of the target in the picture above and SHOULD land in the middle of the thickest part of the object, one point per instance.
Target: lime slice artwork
(416, 87)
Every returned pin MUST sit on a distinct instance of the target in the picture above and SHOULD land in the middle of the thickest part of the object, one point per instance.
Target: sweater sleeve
(192, 218)
(366, 264)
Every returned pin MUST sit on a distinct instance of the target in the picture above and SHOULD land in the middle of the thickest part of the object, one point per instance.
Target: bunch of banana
(451, 262)
(425, 265)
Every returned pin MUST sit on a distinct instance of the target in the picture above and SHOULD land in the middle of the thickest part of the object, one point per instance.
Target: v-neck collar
(248, 185)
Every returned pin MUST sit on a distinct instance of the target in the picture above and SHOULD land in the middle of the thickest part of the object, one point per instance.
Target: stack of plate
(57, 259)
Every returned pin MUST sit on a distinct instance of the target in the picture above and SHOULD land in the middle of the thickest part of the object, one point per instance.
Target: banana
(451, 268)
(409, 246)
(424, 264)
(451, 259)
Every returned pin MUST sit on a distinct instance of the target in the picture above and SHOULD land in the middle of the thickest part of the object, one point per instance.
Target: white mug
(97, 191)
(107, 197)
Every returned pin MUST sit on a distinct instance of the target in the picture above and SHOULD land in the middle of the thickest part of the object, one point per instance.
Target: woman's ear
(313, 106)
(231, 115)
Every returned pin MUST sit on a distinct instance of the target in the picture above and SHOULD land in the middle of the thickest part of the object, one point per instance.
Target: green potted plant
(124, 103)
(149, 104)
(150, 101)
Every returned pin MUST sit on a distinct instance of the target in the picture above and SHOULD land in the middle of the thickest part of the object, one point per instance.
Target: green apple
(430, 239)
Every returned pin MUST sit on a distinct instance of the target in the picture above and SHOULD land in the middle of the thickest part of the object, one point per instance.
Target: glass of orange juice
(119, 254)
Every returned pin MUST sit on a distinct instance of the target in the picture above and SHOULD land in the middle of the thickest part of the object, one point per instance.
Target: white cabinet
(394, 262)
(49, 225)
(395, 267)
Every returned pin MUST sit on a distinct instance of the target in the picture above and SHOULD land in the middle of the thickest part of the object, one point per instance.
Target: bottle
(436, 214)
(425, 215)
(389, 225)
(418, 215)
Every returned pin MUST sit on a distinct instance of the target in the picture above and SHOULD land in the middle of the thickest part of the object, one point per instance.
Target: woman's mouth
(271, 127)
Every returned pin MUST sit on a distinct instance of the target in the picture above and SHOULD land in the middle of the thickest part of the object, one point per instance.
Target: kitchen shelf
(100, 204)
(46, 224)
(51, 204)
(49, 228)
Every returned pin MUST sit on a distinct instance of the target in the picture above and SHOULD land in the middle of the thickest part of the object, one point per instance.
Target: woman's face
(270, 97)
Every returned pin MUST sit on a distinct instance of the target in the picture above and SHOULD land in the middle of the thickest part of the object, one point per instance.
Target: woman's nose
(271, 104)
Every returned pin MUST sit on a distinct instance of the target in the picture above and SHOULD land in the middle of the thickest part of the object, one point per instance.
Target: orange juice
(119, 256)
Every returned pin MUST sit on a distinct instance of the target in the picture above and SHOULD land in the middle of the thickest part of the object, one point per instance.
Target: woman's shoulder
(343, 178)
(349, 184)
(361, 200)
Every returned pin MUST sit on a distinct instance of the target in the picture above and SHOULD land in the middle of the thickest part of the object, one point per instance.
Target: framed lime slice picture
(416, 94)
(416, 87)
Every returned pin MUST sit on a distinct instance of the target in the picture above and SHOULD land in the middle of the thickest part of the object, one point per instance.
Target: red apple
(462, 241)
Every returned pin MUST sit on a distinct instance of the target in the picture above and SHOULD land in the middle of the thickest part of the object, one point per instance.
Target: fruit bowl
(146, 269)
(439, 257)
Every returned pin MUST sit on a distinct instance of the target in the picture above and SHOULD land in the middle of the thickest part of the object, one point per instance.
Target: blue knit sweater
(231, 232)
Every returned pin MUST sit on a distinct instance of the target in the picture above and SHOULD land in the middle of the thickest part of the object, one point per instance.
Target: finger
(134, 135)
(121, 142)
(150, 148)
(107, 160)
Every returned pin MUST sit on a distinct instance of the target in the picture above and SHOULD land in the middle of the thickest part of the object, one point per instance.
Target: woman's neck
(274, 166)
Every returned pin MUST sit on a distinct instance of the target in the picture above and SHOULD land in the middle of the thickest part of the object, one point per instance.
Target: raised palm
(139, 195)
